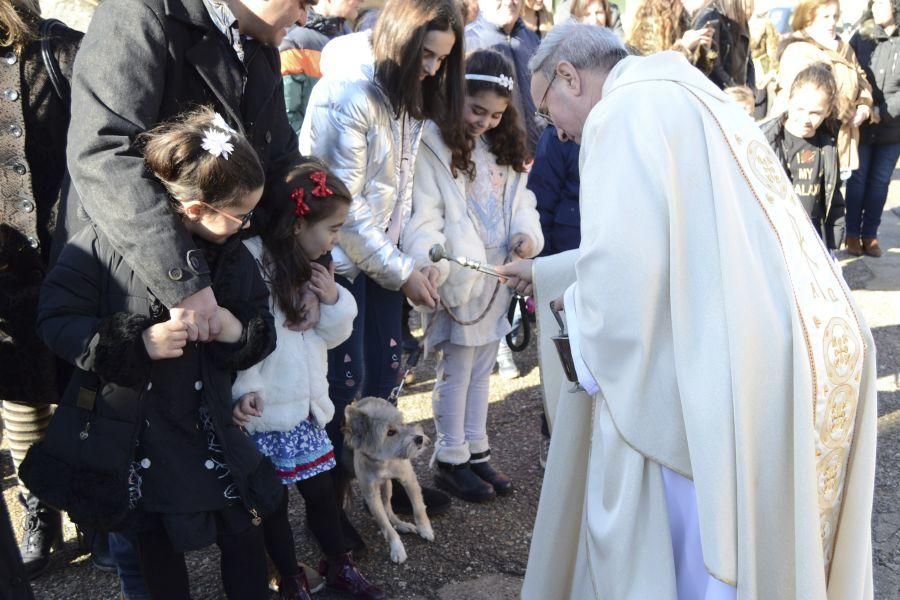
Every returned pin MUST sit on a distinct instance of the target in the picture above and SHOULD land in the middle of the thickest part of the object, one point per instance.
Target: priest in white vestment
(725, 445)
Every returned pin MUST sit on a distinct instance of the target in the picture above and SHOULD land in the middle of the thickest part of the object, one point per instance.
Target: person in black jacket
(196, 478)
(143, 62)
(877, 47)
(805, 141)
(727, 62)
(35, 117)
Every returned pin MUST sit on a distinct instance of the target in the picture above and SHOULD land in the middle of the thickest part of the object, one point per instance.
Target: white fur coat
(440, 216)
(292, 380)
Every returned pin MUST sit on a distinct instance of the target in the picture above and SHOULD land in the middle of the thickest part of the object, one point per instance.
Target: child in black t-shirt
(804, 138)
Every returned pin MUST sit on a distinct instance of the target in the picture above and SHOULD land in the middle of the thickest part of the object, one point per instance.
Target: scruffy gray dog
(382, 448)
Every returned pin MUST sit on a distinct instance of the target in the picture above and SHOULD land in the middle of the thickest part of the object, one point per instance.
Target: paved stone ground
(876, 285)
(481, 551)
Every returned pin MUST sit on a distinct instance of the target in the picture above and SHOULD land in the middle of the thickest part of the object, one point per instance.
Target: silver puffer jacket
(350, 125)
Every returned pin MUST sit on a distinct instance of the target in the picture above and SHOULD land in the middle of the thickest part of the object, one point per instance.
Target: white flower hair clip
(502, 80)
(218, 143)
(219, 121)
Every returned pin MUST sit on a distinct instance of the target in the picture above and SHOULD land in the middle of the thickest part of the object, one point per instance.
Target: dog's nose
(419, 440)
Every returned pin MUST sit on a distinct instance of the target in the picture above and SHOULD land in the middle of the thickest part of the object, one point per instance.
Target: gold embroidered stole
(831, 330)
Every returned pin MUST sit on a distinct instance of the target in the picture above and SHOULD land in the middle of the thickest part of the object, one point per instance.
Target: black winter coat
(731, 63)
(93, 311)
(29, 369)
(878, 54)
(143, 62)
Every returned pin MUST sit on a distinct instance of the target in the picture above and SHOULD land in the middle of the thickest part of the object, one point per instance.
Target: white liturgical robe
(727, 349)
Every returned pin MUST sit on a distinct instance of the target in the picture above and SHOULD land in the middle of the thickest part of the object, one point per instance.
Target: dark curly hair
(286, 266)
(507, 140)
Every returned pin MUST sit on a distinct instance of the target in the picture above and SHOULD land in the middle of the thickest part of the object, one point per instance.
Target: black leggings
(243, 565)
(323, 516)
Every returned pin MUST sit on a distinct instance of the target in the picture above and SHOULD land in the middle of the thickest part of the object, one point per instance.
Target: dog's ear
(356, 426)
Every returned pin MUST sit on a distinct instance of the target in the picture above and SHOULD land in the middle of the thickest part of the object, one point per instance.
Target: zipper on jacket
(256, 520)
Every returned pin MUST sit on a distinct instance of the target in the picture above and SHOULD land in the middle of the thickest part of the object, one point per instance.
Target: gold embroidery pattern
(838, 416)
(766, 168)
(837, 348)
(841, 349)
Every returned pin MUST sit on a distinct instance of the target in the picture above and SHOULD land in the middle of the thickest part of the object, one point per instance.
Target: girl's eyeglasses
(243, 221)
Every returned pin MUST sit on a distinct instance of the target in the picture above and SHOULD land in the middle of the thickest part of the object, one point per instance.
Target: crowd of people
(216, 216)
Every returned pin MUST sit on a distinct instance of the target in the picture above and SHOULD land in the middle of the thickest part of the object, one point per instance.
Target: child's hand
(232, 329)
(522, 245)
(165, 340)
(433, 274)
(322, 284)
(250, 405)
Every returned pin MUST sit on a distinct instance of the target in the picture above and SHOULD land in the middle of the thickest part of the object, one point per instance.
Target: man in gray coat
(143, 62)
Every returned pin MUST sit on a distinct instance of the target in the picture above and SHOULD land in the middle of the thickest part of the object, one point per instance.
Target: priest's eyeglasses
(541, 112)
(243, 221)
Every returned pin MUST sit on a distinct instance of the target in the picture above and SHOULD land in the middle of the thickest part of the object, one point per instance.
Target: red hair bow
(321, 190)
(302, 208)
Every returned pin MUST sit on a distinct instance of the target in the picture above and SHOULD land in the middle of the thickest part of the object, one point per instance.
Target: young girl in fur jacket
(195, 479)
(283, 401)
(486, 213)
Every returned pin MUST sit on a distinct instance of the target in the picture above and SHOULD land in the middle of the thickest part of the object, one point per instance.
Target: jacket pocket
(568, 214)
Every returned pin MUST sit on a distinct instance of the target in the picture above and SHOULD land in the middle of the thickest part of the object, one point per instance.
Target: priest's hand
(517, 275)
(559, 304)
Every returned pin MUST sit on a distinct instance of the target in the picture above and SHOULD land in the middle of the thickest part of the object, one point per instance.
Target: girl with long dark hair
(283, 401)
(485, 212)
(364, 120)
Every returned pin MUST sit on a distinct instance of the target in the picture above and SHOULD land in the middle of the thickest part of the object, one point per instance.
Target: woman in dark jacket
(877, 47)
(35, 117)
(727, 61)
(194, 478)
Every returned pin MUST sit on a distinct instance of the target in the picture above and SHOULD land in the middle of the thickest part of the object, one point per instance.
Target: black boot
(498, 480)
(436, 502)
(42, 533)
(462, 482)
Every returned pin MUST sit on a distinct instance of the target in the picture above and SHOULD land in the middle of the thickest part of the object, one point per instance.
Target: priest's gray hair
(586, 47)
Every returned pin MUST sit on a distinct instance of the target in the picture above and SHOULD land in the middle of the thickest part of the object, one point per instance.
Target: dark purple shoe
(343, 576)
(294, 588)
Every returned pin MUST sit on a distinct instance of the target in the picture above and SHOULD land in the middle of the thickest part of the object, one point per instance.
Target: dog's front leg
(407, 478)
(400, 525)
(373, 495)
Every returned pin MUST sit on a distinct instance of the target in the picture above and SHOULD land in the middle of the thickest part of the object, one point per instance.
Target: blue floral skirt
(298, 454)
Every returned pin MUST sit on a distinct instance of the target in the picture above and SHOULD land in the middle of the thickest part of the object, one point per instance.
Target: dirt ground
(471, 541)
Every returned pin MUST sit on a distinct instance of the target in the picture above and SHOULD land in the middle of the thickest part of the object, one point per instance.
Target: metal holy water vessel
(438, 253)
(564, 349)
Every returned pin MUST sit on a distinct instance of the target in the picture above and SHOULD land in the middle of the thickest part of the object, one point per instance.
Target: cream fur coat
(440, 216)
(292, 380)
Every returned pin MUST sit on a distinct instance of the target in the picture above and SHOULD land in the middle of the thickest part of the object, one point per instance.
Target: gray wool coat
(141, 63)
